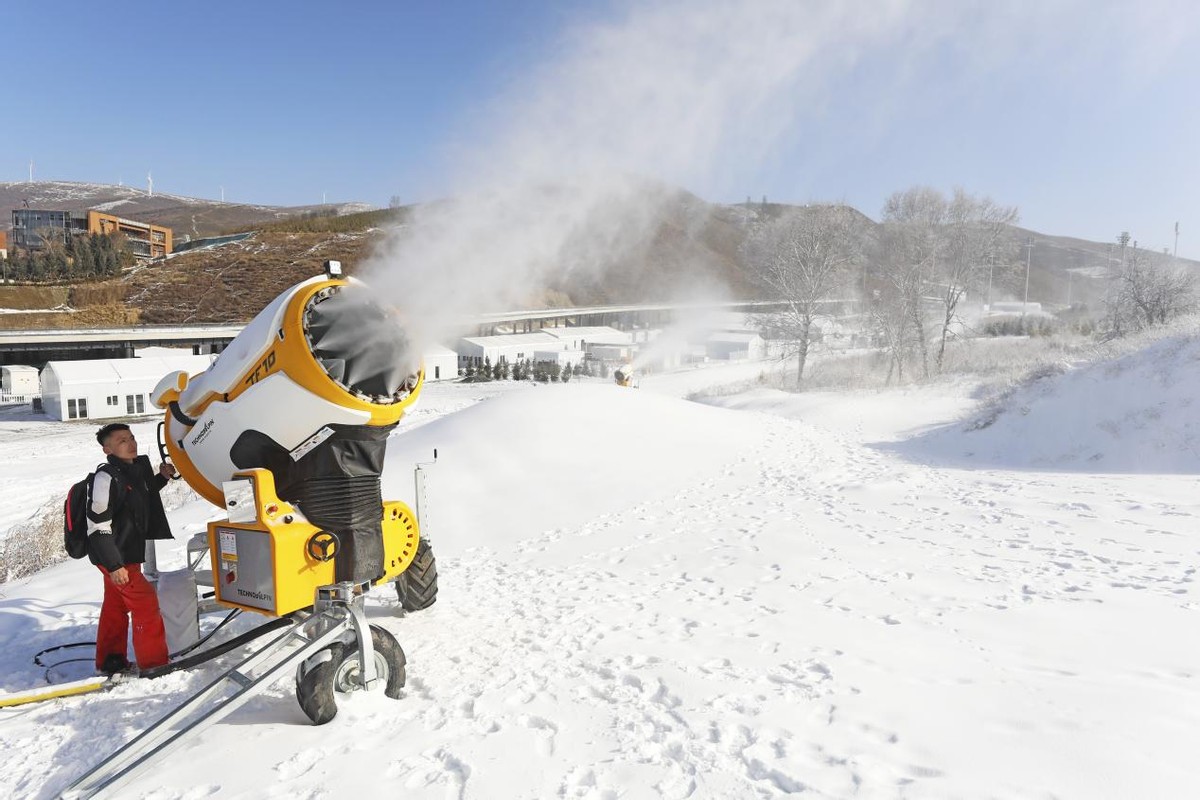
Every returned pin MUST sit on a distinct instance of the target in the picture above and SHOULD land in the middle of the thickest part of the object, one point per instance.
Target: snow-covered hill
(643, 597)
(1135, 413)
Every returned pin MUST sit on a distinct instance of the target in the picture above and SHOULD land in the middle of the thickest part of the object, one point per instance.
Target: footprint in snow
(299, 764)
(545, 729)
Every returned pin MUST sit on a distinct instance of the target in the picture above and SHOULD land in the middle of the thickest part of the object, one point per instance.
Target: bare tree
(889, 315)
(974, 234)
(913, 245)
(1145, 290)
(802, 258)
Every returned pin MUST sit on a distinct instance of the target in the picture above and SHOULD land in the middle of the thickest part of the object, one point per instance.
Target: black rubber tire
(417, 586)
(316, 688)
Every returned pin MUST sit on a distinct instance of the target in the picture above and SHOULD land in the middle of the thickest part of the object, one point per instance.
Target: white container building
(109, 388)
(18, 380)
(508, 348)
(560, 357)
(554, 345)
(580, 338)
(735, 346)
(441, 363)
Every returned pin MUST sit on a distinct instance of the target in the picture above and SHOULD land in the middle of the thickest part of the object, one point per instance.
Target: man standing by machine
(124, 512)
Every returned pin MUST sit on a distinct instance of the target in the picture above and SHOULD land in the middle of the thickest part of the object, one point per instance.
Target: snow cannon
(286, 431)
(624, 376)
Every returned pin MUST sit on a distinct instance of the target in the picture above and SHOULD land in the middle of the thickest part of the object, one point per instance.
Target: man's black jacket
(124, 511)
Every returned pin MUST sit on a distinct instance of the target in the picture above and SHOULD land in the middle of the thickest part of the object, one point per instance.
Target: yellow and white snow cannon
(287, 431)
(624, 376)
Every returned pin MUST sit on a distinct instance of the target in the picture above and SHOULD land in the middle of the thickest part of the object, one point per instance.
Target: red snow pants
(136, 598)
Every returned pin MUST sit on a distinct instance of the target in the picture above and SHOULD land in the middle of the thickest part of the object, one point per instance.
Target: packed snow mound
(1136, 413)
(557, 455)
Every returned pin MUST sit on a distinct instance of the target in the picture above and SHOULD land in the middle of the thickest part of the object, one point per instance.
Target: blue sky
(1081, 114)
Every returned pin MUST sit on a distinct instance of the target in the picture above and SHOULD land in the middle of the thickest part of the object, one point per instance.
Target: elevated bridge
(36, 347)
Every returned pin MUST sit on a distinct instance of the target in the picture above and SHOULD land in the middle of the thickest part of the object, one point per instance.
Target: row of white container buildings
(569, 346)
(120, 387)
(111, 388)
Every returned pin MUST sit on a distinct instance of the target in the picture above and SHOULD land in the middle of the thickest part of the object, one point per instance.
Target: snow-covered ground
(831, 594)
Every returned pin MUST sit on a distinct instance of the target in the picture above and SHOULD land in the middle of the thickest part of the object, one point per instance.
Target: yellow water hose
(53, 692)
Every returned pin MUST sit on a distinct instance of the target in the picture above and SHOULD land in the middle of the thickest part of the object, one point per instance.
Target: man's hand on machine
(166, 470)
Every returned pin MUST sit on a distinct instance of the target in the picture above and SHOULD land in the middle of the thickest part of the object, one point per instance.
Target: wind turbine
(150, 184)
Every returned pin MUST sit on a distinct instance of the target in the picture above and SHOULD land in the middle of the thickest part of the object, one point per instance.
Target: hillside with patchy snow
(187, 216)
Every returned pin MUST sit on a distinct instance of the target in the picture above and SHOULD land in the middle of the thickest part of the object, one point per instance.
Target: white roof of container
(106, 370)
(745, 338)
(19, 369)
(505, 339)
(590, 334)
(437, 350)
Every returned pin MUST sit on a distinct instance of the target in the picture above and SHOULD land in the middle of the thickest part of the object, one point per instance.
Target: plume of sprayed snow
(691, 325)
(552, 194)
(548, 189)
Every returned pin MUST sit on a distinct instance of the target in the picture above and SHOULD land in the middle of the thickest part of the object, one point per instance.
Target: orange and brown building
(145, 240)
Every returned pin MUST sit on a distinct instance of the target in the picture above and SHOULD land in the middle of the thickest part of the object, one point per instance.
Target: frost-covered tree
(802, 258)
(1144, 290)
(912, 247)
(974, 235)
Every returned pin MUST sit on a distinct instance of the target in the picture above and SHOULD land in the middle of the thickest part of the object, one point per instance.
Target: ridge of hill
(189, 217)
(692, 243)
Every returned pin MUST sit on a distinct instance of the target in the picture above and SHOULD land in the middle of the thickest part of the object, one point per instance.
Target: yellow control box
(271, 560)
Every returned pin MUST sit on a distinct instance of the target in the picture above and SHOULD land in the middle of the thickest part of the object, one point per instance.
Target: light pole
(1028, 258)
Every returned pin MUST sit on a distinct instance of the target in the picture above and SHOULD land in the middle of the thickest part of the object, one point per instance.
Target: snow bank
(1135, 413)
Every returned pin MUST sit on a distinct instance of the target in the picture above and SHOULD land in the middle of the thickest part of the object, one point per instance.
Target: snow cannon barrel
(623, 376)
(309, 391)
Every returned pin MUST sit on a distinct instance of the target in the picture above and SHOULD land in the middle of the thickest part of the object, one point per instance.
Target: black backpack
(79, 496)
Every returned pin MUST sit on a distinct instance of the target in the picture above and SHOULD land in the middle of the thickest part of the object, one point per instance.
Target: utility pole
(1070, 279)
(1175, 254)
(1028, 258)
(1123, 240)
(991, 266)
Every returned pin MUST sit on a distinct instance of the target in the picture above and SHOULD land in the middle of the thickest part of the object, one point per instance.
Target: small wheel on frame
(337, 669)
